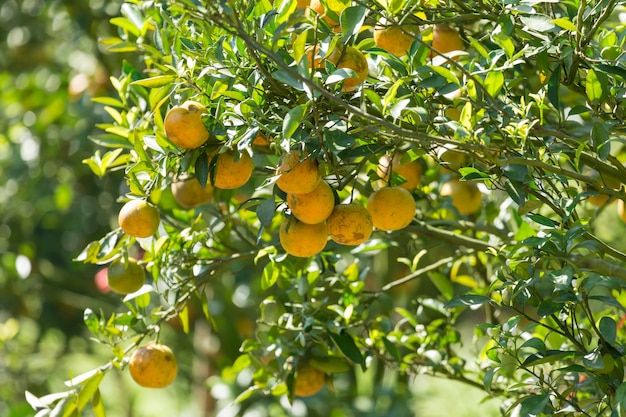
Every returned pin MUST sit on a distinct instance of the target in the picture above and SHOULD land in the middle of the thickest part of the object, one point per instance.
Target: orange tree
(510, 114)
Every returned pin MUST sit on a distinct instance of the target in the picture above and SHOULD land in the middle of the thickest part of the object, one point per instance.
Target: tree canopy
(501, 121)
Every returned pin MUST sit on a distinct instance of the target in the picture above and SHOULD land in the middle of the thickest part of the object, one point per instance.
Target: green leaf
(600, 139)
(612, 69)
(88, 390)
(445, 73)
(549, 356)
(91, 321)
(352, 19)
(392, 349)
(293, 119)
(538, 218)
(494, 82)
(565, 23)
(538, 22)
(608, 329)
(110, 141)
(620, 395)
(125, 24)
(202, 169)
(471, 174)
(345, 343)
(97, 405)
(467, 300)
(155, 82)
(553, 87)
(593, 87)
(270, 276)
(479, 47)
(533, 405)
(265, 211)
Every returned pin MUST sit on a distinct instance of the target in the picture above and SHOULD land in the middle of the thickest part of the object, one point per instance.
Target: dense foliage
(531, 111)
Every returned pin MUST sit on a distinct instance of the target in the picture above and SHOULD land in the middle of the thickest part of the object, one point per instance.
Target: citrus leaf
(155, 82)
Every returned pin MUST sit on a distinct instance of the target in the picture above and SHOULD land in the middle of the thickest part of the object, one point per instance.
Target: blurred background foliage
(51, 204)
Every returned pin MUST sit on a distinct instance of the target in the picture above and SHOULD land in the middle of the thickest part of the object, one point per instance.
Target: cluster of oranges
(315, 216)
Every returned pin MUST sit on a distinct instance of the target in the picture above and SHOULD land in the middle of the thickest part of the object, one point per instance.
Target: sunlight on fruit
(391, 208)
(298, 174)
(350, 224)
(302, 239)
(153, 366)
(139, 218)
(313, 207)
(184, 127)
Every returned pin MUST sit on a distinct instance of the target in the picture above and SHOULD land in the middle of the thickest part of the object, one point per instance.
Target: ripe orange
(394, 39)
(350, 224)
(355, 60)
(139, 218)
(309, 381)
(391, 208)
(153, 366)
(261, 140)
(302, 4)
(466, 197)
(410, 171)
(601, 200)
(298, 176)
(189, 193)
(315, 60)
(231, 173)
(450, 160)
(318, 7)
(125, 278)
(313, 207)
(445, 39)
(184, 127)
(621, 210)
(301, 239)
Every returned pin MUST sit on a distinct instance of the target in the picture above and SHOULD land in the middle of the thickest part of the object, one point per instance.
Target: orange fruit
(302, 4)
(445, 39)
(391, 208)
(350, 224)
(410, 171)
(301, 239)
(353, 59)
(318, 7)
(394, 39)
(125, 278)
(308, 381)
(621, 210)
(153, 366)
(189, 193)
(466, 197)
(601, 200)
(313, 207)
(261, 140)
(315, 60)
(230, 172)
(450, 160)
(298, 176)
(184, 127)
(139, 218)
